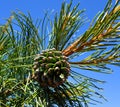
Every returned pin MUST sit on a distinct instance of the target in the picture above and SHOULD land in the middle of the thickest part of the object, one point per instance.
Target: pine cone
(51, 68)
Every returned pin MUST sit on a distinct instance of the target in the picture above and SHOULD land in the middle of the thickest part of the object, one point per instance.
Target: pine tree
(41, 61)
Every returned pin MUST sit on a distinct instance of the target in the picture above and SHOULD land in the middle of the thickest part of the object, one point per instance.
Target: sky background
(37, 7)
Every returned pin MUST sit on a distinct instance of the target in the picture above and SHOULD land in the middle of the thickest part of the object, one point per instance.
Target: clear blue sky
(37, 7)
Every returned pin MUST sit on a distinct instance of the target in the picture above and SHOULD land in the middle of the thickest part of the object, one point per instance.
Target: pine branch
(24, 77)
(107, 26)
